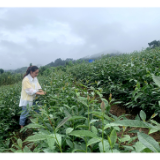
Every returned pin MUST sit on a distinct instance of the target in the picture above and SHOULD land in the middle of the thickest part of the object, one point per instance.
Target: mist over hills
(60, 62)
(98, 55)
(20, 70)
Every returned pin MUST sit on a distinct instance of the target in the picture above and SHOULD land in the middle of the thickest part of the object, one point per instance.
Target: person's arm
(29, 90)
(40, 91)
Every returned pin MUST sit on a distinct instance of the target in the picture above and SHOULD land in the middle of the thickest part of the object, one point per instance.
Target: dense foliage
(74, 115)
(8, 78)
(128, 77)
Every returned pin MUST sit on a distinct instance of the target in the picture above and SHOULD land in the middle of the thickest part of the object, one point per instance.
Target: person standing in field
(30, 88)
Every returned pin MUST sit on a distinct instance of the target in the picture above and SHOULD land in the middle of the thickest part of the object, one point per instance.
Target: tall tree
(154, 44)
(1, 71)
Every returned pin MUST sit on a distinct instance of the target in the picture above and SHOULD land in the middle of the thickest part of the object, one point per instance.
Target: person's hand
(41, 92)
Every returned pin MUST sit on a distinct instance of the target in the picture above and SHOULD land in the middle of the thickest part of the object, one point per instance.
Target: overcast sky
(41, 35)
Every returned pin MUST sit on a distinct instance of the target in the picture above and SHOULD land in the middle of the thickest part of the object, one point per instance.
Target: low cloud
(41, 35)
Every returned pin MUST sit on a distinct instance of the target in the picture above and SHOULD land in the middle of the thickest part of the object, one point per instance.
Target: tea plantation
(75, 115)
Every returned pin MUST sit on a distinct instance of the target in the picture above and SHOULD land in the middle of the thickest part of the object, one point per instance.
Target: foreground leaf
(19, 141)
(82, 133)
(106, 146)
(125, 138)
(93, 141)
(62, 122)
(130, 123)
(113, 138)
(139, 146)
(143, 115)
(18, 151)
(76, 117)
(32, 126)
(156, 79)
(36, 137)
(149, 142)
(68, 130)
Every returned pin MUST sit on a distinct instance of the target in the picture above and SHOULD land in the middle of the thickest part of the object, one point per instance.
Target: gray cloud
(41, 35)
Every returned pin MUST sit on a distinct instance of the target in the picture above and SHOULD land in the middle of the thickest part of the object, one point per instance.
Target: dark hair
(31, 68)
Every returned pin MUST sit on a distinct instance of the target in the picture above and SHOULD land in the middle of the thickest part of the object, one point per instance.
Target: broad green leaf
(62, 122)
(36, 137)
(48, 150)
(19, 141)
(154, 122)
(152, 130)
(93, 120)
(130, 123)
(75, 118)
(139, 146)
(109, 140)
(114, 151)
(77, 150)
(58, 139)
(156, 79)
(18, 152)
(125, 138)
(34, 120)
(69, 143)
(82, 100)
(106, 146)
(143, 115)
(133, 152)
(36, 150)
(98, 83)
(67, 114)
(13, 150)
(100, 114)
(82, 126)
(82, 133)
(132, 64)
(149, 142)
(94, 130)
(137, 96)
(68, 130)
(137, 118)
(103, 106)
(26, 149)
(132, 139)
(117, 102)
(51, 141)
(93, 141)
(128, 148)
(159, 103)
(113, 138)
(32, 126)
(116, 128)
(115, 117)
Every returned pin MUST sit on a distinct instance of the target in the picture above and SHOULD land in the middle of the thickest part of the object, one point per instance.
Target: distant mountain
(60, 62)
(19, 70)
(99, 55)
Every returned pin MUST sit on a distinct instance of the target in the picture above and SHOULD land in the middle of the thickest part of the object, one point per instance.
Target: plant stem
(58, 143)
(103, 131)
(86, 144)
